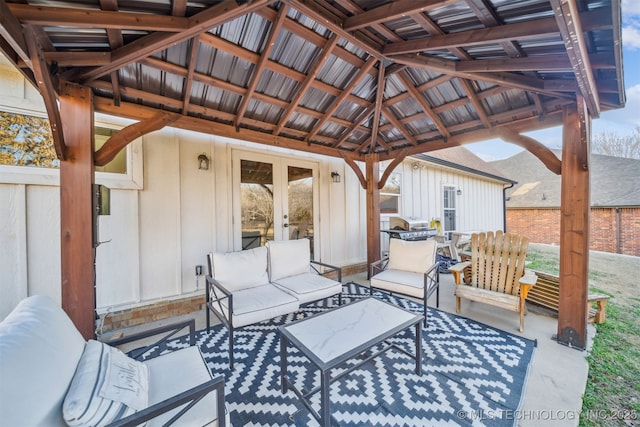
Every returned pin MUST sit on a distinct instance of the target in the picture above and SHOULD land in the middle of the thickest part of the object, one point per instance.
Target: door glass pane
(449, 204)
(256, 196)
(300, 199)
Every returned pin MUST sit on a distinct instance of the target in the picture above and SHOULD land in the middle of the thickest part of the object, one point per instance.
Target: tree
(26, 141)
(612, 144)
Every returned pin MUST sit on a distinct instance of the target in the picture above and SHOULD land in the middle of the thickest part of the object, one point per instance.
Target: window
(449, 205)
(26, 141)
(390, 195)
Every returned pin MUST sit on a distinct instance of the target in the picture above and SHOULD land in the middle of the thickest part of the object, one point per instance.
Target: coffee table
(330, 339)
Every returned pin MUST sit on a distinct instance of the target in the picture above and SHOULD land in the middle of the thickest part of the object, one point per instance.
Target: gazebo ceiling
(325, 75)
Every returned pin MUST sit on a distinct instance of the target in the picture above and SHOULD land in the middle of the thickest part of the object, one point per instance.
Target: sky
(621, 122)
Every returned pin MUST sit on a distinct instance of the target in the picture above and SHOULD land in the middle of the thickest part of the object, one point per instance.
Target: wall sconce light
(459, 192)
(335, 177)
(203, 162)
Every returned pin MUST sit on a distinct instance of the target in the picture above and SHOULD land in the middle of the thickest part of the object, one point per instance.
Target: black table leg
(418, 349)
(325, 411)
(283, 363)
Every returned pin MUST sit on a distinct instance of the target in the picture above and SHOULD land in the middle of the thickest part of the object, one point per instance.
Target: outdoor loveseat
(254, 285)
(51, 376)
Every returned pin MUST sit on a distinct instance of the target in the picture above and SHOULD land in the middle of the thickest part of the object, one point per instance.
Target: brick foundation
(165, 309)
(543, 226)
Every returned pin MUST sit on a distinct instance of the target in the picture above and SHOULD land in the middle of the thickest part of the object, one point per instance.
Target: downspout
(504, 205)
(618, 230)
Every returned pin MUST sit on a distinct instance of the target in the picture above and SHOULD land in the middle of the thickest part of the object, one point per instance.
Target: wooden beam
(372, 168)
(377, 107)
(188, 82)
(306, 84)
(399, 158)
(11, 31)
(264, 58)
(390, 11)
(567, 18)
(519, 31)
(544, 154)
(354, 167)
(574, 227)
(477, 105)
(77, 251)
(415, 93)
(354, 9)
(155, 42)
(386, 111)
(123, 137)
(48, 91)
(356, 124)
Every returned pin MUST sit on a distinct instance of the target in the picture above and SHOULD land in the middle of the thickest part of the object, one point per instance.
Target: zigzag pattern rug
(472, 374)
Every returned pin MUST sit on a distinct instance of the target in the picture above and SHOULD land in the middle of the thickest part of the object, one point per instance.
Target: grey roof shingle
(615, 181)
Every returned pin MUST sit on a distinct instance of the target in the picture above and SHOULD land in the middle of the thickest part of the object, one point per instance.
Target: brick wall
(543, 226)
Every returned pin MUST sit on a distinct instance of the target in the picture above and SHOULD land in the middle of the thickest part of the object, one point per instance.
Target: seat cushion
(415, 256)
(401, 282)
(107, 386)
(288, 258)
(260, 303)
(175, 372)
(39, 350)
(309, 287)
(242, 269)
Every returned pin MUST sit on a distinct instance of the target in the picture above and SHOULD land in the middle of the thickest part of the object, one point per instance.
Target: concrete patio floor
(557, 376)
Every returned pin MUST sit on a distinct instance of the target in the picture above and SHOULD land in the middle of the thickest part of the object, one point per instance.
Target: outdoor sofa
(51, 376)
(255, 285)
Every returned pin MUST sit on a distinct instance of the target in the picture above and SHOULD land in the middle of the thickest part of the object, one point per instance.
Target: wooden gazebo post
(76, 207)
(574, 227)
(372, 172)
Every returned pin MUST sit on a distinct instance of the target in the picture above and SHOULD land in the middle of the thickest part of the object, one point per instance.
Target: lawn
(612, 395)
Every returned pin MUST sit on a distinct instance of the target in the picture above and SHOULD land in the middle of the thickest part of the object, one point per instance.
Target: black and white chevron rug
(472, 374)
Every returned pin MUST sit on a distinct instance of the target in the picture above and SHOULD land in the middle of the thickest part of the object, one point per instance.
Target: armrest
(456, 269)
(331, 268)
(171, 330)
(191, 397)
(214, 299)
(378, 266)
(527, 281)
(432, 277)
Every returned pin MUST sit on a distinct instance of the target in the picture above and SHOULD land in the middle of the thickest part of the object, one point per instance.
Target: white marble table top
(338, 332)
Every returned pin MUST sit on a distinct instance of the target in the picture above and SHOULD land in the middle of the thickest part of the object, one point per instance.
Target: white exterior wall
(170, 214)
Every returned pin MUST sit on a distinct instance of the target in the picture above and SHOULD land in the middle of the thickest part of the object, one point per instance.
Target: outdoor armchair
(410, 269)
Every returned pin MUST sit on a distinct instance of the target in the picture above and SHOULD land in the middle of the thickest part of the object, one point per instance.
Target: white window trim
(456, 209)
(132, 180)
(399, 195)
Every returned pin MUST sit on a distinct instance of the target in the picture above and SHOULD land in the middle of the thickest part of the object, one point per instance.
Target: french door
(274, 198)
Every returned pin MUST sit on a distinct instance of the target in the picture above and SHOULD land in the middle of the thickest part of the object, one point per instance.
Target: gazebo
(362, 80)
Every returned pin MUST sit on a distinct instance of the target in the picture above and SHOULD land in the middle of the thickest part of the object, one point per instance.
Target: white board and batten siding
(167, 214)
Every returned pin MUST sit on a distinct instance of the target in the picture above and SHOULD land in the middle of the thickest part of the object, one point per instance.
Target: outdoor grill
(409, 228)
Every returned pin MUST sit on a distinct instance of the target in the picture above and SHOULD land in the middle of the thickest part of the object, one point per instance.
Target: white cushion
(402, 282)
(242, 269)
(258, 304)
(107, 386)
(416, 256)
(309, 287)
(166, 381)
(288, 258)
(39, 350)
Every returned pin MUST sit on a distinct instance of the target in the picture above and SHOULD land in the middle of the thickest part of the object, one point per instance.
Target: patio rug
(472, 374)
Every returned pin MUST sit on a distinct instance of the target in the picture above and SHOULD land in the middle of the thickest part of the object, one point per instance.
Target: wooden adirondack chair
(497, 276)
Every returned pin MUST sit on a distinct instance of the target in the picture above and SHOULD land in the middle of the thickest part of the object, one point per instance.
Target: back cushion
(415, 256)
(288, 258)
(39, 350)
(241, 270)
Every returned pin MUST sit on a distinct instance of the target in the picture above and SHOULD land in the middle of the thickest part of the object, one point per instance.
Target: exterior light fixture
(203, 162)
(335, 177)
(459, 192)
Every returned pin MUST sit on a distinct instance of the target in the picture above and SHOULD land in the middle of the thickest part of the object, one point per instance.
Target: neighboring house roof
(615, 181)
(460, 158)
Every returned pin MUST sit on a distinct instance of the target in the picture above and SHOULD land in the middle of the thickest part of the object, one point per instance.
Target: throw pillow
(107, 385)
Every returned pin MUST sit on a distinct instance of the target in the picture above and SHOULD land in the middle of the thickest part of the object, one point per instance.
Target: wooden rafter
(390, 11)
(398, 125)
(423, 104)
(154, 42)
(178, 7)
(123, 137)
(354, 9)
(573, 36)
(188, 82)
(11, 31)
(342, 97)
(477, 105)
(264, 58)
(365, 115)
(114, 35)
(306, 84)
(48, 91)
(378, 107)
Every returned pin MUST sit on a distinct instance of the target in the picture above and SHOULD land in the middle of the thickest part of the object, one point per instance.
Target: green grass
(612, 395)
